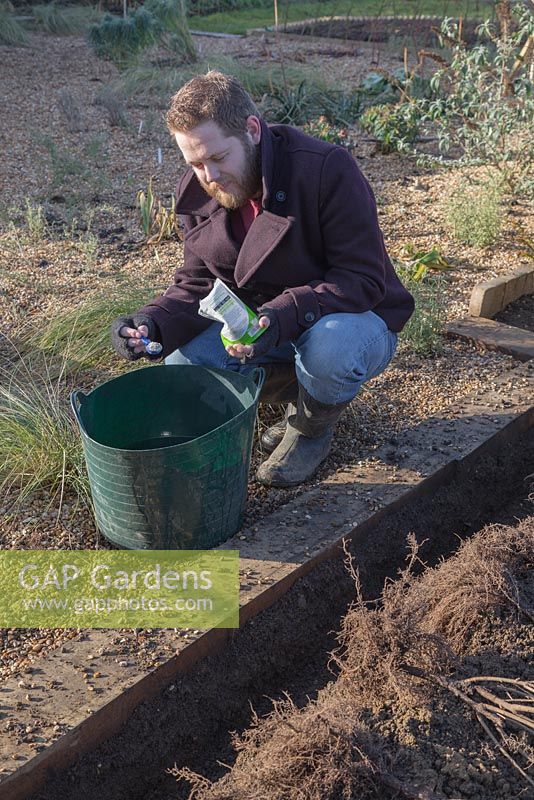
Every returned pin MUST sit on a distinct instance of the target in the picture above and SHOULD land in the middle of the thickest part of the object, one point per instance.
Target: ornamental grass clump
(82, 334)
(162, 22)
(174, 30)
(121, 40)
(11, 31)
(64, 21)
(421, 271)
(40, 448)
(473, 214)
(423, 333)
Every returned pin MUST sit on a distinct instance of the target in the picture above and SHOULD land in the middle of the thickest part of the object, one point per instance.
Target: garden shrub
(321, 128)
(482, 102)
(473, 214)
(395, 126)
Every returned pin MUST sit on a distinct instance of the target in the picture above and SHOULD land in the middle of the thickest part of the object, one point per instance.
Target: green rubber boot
(305, 444)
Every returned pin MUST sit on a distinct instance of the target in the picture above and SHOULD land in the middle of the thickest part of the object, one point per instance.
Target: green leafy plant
(40, 448)
(157, 221)
(11, 31)
(473, 214)
(395, 126)
(482, 103)
(417, 263)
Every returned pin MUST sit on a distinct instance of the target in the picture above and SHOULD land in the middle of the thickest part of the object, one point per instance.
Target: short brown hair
(212, 97)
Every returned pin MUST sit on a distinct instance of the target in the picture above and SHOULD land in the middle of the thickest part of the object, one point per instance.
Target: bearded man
(289, 223)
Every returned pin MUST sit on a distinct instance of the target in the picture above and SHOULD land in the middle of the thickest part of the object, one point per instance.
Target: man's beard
(249, 185)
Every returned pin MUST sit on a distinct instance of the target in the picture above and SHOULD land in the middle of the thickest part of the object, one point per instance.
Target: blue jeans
(332, 359)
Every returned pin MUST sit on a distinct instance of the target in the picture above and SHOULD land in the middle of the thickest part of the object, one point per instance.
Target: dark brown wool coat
(315, 249)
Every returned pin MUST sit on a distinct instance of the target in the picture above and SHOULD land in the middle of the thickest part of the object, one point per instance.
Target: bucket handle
(76, 398)
(258, 376)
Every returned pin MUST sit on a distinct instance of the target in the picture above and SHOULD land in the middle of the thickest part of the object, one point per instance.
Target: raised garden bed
(408, 29)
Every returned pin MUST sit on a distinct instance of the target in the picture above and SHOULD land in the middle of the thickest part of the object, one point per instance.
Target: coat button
(280, 196)
(309, 316)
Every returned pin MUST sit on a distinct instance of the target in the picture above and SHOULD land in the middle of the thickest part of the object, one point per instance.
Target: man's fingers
(131, 333)
(264, 322)
(143, 330)
(136, 345)
(239, 350)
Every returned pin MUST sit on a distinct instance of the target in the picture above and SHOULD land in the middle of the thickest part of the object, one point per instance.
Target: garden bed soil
(421, 740)
(519, 314)
(401, 30)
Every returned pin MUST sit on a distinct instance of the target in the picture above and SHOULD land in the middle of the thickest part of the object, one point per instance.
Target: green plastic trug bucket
(168, 454)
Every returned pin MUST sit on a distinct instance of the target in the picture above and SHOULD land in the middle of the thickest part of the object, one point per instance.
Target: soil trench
(286, 647)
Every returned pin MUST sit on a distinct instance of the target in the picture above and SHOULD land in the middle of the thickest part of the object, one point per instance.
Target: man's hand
(126, 335)
(264, 343)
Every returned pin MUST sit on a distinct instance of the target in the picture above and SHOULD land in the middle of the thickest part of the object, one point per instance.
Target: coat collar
(211, 239)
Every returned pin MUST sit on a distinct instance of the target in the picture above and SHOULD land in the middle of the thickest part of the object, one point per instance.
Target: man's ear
(254, 129)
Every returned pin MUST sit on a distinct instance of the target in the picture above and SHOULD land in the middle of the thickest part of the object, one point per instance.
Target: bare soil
(519, 314)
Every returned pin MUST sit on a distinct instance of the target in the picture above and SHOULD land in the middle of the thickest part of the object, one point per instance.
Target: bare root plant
(377, 637)
(318, 752)
(482, 577)
(401, 648)
(499, 716)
